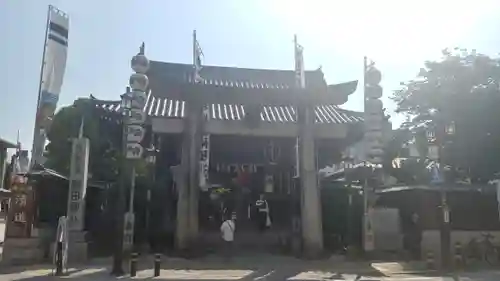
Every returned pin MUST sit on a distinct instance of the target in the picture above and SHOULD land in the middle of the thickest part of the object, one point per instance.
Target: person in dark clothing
(413, 236)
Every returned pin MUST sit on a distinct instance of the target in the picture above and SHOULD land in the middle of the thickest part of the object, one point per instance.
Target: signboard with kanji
(20, 214)
(78, 184)
(128, 231)
(204, 161)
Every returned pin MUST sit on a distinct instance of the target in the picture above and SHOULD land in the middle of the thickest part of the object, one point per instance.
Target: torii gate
(198, 95)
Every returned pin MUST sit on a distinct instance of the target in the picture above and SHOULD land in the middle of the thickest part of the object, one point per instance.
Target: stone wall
(387, 229)
(431, 240)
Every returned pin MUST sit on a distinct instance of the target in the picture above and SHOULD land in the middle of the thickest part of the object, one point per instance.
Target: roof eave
(7, 144)
(343, 90)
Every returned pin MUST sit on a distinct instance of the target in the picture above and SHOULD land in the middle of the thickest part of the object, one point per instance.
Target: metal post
(120, 208)
(445, 231)
(152, 172)
(133, 264)
(458, 256)
(429, 260)
(132, 190)
(59, 259)
(349, 239)
(130, 216)
(157, 265)
(148, 199)
(365, 214)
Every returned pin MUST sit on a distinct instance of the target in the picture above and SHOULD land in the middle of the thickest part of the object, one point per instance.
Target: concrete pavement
(102, 274)
(245, 268)
(97, 273)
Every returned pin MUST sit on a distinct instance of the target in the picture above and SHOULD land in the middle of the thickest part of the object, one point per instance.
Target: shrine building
(246, 123)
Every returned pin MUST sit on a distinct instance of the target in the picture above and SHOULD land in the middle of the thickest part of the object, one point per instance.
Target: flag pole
(82, 124)
(195, 63)
(18, 142)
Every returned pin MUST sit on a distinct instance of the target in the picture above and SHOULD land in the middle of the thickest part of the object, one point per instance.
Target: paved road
(101, 274)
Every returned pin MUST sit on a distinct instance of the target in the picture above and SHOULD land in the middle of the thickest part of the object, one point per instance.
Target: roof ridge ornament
(142, 49)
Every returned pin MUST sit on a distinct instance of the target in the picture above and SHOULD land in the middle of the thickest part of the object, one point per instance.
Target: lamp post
(133, 102)
(436, 153)
(125, 105)
(374, 140)
(348, 241)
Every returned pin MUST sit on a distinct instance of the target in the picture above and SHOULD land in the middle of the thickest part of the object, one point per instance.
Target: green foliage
(104, 137)
(461, 89)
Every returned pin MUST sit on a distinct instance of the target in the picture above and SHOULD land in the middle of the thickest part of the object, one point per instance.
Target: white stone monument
(77, 247)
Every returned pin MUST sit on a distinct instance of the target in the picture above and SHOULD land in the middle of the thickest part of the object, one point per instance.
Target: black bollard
(458, 256)
(59, 259)
(430, 260)
(133, 264)
(157, 265)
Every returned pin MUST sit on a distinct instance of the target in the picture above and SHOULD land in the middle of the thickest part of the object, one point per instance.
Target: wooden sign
(21, 211)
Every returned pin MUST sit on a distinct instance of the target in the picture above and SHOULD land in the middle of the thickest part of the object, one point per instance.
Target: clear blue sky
(398, 35)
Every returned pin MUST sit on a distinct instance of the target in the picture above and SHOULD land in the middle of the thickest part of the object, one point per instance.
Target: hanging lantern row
(135, 107)
(374, 114)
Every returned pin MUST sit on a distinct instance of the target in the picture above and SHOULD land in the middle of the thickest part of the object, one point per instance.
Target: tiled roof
(167, 108)
(233, 76)
(7, 144)
(163, 74)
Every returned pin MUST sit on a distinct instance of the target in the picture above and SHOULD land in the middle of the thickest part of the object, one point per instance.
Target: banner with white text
(51, 78)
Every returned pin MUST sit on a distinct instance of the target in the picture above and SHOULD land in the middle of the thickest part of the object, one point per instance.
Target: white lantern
(137, 116)
(138, 82)
(374, 118)
(138, 99)
(373, 92)
(372, 76)
(373, 125)
(377, 135)
(373, 106)
(375, 160)
(140, 64)
(134, 151)
(375, 151)
(135, 133)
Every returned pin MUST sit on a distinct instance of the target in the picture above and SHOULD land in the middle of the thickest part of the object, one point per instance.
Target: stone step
(77, 252)
(23, 242)
(23, 251)
(23, 256)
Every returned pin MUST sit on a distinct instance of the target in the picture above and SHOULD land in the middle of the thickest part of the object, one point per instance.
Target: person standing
(227, 233)
(263, 218)
(413, 236)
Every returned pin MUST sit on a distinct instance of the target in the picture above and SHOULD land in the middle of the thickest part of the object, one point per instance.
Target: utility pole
(445, 231)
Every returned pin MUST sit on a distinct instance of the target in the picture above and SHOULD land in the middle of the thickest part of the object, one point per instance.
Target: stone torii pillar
(310, 207)
(187, 176)
(194, 134)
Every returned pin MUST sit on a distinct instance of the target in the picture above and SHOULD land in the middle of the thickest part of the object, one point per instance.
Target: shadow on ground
(257, 268)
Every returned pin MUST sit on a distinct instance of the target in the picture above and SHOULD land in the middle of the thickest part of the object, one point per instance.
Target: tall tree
(461, 89)
(104, 135)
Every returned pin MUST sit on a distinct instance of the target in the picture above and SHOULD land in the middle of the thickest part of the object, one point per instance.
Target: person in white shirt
(263, 218)
(227, 233)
